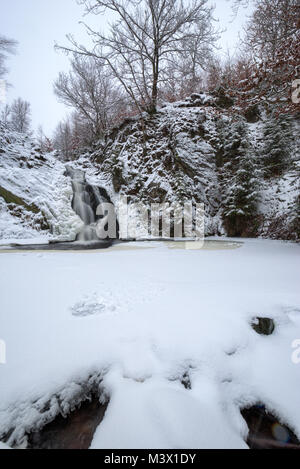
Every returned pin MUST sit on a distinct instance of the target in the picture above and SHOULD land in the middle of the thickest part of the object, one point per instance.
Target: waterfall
(86, 199)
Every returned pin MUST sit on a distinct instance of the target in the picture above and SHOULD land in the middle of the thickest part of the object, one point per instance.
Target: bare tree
(63, 139)
(72, 136)
(272, 23)
(82, 131)
(236, 4)
(89, 90)
(5, 114)
(43, 141)
(214, 74)
(7, 46)
(185, 74)
(198, 53)
(146, 37)
(20, 116)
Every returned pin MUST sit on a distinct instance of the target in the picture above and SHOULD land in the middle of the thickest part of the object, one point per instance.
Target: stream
(86, 200)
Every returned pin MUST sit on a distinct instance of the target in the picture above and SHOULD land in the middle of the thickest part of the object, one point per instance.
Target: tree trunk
(153, 107)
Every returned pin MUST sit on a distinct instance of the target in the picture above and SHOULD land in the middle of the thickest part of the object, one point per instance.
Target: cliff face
(201, 150)
(169, 157)
(179, 154)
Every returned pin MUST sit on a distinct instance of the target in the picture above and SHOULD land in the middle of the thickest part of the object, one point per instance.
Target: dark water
(74, 432)
(107, 243)
(62, 246)
(78, 429)
(266, 432)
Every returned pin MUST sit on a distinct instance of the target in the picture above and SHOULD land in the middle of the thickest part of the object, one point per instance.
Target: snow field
(147, 322)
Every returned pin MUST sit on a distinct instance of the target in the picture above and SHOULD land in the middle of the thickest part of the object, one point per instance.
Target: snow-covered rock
(174, 156)
(35, 195)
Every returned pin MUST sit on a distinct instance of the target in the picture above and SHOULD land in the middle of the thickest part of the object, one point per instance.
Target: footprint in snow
(92, 307)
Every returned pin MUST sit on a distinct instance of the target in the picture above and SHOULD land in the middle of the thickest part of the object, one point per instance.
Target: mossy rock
(11, 198)
(15, 203)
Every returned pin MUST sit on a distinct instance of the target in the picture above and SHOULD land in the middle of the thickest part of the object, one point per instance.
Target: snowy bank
(35, 195)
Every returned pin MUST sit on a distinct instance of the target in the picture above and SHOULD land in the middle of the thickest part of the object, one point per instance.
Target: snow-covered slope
(278, 205)
(168, 157)
(175, 156)
(35, 196)
(92, 321)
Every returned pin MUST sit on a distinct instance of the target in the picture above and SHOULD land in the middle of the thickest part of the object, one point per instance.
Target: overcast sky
(38, 24)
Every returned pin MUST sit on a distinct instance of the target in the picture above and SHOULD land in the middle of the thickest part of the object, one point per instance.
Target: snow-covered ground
(141, 319)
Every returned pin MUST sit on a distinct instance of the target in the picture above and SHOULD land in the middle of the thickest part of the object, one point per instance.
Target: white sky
(38, 24)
